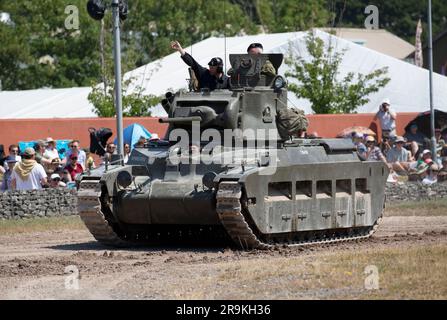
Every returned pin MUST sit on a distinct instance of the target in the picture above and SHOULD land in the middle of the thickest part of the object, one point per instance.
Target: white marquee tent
(46, 103)
(408, 89)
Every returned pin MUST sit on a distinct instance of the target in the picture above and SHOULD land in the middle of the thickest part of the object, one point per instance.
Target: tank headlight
(124, 179)
(279, 83)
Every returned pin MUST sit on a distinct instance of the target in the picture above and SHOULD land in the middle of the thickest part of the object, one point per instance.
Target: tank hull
(311, 194)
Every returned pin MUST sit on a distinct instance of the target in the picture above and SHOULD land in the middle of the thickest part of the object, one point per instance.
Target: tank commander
(268, 68)
(255, 49)
(212, 78)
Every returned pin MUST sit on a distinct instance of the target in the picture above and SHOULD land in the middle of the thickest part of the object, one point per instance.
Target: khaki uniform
(268, 69)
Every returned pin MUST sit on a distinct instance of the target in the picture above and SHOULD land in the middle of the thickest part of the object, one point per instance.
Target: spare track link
(89, 206)
(229, 210)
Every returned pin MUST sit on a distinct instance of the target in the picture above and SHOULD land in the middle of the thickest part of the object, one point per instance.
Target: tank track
(90, 211)
(229, 210)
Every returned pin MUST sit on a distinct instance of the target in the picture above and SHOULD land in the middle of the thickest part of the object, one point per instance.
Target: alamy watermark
(72, 20)
(72, 277)
(372, 277)
(244, 148)
(372, 21)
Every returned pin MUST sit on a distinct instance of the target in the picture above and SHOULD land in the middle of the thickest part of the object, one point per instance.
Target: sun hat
(11, 159)
(29, 151)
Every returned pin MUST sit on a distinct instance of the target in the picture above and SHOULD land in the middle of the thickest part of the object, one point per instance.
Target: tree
(286, 15)
(135, 104)
(318, 79)
(159, 22)
(289, 16)
(39, 51)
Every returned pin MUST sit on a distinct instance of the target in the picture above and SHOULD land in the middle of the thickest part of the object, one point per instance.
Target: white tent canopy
(408, 89)
(46, 103)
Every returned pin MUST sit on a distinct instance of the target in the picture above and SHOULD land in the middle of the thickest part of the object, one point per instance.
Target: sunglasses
(57, 179)
(14, 151)
(74, 158)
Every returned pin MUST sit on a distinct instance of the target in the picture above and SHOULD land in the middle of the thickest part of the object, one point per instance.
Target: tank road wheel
(91, 213)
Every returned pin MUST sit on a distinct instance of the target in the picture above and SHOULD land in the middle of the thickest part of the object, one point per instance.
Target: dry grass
(40, 224)
(417, 208)
(410, 273)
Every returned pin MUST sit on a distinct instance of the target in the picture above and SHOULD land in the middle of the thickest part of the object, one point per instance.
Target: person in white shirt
(56, 182)
(28, 174)
(126, 152)
(387, 119)
(399, 158)
(51, 151)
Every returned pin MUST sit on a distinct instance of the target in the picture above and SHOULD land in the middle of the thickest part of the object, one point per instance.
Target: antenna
(225, 38)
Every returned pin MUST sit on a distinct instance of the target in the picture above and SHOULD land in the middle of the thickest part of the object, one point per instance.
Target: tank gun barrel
(180, 120)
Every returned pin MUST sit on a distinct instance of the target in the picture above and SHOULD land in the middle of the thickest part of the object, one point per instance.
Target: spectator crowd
(409, 155)
(41, 166)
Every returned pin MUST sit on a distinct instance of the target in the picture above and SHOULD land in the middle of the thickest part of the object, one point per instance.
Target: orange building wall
(329, 125)
(12, 131)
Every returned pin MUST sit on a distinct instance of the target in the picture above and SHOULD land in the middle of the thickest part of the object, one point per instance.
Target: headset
(217, 62)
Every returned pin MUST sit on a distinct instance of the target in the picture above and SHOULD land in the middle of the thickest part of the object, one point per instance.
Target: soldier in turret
(212, 78)
(267, 68)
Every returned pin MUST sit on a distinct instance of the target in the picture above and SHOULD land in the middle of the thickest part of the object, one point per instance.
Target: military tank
(258, 192)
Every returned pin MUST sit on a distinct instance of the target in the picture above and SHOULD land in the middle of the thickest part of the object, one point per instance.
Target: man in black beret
(267, 68)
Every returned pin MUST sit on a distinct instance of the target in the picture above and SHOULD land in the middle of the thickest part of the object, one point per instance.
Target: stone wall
(414, 191)
(37, 203)
(57, 202)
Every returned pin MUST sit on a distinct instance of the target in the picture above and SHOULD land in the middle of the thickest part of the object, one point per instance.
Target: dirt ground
(33, 266)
